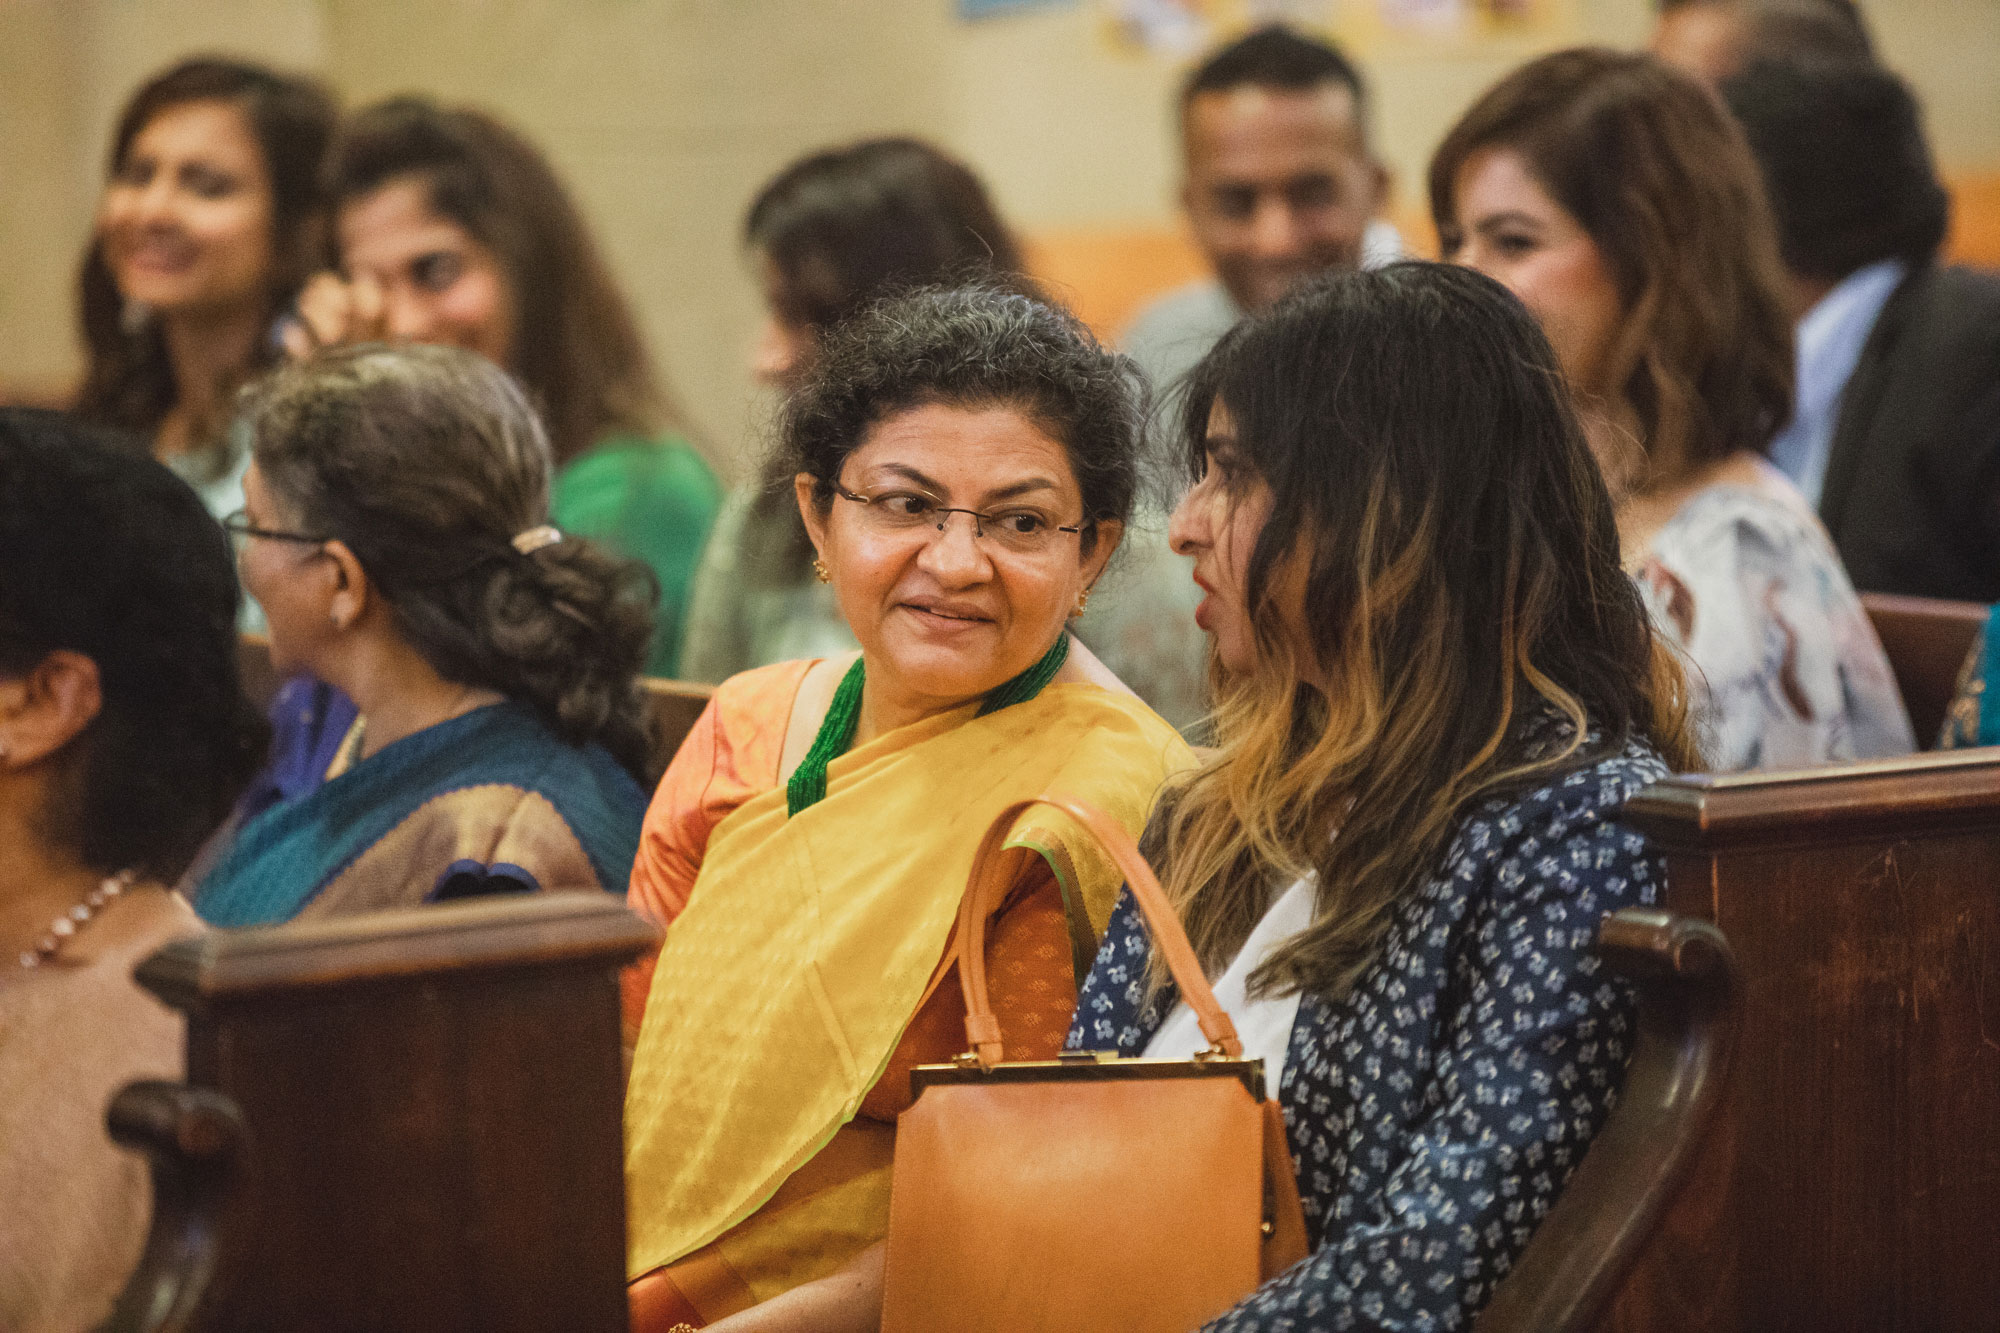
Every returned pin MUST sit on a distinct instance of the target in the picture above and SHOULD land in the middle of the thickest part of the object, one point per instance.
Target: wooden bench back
(1852, 1180)
(1927, 641)
(402, 1121)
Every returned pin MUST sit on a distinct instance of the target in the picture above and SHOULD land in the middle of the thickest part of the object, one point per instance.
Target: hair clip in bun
(534, 539)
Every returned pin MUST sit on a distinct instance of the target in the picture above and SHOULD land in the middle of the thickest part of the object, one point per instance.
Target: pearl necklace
(69, 923)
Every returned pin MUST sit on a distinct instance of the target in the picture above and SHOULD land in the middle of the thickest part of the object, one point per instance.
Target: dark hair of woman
(129, 382)
(577, 347)
(843, 227)
(1651, 166)
(1441, 564)
(975, 346)
(427, 462)
(106, 553)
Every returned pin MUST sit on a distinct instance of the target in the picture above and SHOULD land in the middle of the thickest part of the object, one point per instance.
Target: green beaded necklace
(807, 785)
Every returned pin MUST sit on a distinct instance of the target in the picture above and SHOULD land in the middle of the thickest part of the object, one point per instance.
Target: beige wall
(665, 115)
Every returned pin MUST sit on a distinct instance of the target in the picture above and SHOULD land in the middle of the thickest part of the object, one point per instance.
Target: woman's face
(1217, 523)
(185, 222)
(438, 283)
(1508, 228)
(946, 616)
(289, 576)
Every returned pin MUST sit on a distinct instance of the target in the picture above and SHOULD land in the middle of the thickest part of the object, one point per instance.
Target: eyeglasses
(1018, 530)
(239, 527)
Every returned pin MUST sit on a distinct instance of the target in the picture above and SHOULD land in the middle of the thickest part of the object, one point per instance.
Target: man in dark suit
(1896, 426)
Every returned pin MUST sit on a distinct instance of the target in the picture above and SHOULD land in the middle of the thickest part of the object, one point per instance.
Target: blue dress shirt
(1830, 339)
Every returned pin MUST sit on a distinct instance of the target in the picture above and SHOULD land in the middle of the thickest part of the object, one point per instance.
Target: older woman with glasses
(965, 462)
(396, 532)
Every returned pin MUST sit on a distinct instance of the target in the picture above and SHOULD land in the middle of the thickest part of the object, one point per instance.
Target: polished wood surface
(674, 705)
(1927, 641)
(1639, 1161)
(432, 1134)
(1852, 1179)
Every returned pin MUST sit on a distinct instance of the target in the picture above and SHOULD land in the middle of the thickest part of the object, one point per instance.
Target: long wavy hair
(1439, 613)
(577, 346)
(1651, 166)
(129, 382)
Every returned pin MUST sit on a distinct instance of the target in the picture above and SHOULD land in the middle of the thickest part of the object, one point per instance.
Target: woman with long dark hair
(1618, 200)
(450, 227)
(210, 221)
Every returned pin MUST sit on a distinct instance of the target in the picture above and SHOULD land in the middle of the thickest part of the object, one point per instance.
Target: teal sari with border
(489, 802)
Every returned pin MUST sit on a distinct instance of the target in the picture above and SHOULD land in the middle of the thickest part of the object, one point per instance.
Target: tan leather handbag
(1091, 1192)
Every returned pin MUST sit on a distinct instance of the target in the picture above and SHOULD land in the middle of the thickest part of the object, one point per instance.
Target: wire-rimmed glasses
(1016, 529)
(241, 529)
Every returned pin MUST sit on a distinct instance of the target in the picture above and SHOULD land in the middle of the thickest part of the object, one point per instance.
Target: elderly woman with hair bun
(124, 737)
(396, 531)
(964, 463)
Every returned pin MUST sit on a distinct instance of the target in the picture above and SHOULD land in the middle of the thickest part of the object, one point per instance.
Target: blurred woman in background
(396, 531)
(124, 736)
(1621, 204)
(452, 228)
(210, 221)
(827, 234)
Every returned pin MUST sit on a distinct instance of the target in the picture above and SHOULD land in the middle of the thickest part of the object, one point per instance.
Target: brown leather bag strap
(987, 885)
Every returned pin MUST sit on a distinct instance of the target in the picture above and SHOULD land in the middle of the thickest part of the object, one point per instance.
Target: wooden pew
(1640, 1160)
(1853, 1177)
(1927, 641)
(404, 1121)
(672, 704)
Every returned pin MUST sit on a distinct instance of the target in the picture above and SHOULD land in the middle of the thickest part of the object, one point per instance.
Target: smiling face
(1506, 226)
(185, 222)
(439, 283)
(1280, 186)
(1217, 523)
(944, 617)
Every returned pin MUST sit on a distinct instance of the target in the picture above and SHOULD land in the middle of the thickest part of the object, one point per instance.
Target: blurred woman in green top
(451, 228)
(828, 234)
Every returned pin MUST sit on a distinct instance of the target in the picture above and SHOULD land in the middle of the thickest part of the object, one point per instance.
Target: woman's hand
(849, 1301)
(331, 311)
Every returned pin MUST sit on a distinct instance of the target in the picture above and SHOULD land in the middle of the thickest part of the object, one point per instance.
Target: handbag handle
(986, 886)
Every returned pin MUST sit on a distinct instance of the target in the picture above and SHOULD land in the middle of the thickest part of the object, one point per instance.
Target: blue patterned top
(1436, 1110)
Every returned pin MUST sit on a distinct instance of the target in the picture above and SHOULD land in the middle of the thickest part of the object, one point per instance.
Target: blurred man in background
(1896, 425)
(1281, 184)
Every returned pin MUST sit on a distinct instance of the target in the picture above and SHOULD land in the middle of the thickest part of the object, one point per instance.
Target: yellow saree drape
(808, 942)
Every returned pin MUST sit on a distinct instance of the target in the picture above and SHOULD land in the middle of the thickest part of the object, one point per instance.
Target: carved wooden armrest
(192, 1138)
(1587, 1244)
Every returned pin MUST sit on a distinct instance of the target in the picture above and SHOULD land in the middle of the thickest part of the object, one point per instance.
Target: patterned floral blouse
(1437, 1109)
(1787, 671)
